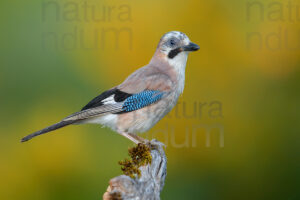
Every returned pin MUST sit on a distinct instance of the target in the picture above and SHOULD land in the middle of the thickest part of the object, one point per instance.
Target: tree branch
(146, 186)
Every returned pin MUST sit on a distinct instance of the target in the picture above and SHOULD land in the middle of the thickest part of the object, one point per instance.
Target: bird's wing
(111, 96)
(147, 78)
(126, 97)
(95, 111)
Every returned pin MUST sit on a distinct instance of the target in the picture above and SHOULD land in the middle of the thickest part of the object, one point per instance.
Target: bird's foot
(153, 144)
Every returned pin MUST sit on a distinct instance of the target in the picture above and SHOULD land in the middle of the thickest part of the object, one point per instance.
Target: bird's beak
(191, 47)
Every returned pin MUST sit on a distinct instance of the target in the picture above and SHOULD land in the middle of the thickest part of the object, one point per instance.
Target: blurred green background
(242, 87)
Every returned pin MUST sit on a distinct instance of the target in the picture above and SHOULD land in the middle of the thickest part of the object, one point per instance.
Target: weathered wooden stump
(144, 182)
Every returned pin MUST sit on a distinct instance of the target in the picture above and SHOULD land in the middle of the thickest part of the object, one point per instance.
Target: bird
(144, 97)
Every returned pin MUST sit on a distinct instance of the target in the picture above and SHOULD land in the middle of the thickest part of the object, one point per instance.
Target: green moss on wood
(140, 156)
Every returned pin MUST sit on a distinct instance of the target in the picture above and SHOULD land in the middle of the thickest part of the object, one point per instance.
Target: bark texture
(146, 187)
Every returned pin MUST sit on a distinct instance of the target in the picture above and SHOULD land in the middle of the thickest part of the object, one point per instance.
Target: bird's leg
(129, 136)
(134, 138)
(138, 138)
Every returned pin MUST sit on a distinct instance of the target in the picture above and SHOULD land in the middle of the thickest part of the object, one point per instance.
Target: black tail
(48, 129)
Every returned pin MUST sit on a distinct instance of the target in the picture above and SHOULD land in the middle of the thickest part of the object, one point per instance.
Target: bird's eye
(172, 42)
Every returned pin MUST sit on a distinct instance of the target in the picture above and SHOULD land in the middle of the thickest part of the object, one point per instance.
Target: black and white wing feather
(112, 101)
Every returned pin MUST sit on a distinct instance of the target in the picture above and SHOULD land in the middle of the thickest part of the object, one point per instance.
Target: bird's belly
(137, 121)
(142, 120)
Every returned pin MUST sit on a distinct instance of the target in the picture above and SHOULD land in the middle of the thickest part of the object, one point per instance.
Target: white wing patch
(109, 100)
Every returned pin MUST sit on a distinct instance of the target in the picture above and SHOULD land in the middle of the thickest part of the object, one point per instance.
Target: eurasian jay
(144, 98)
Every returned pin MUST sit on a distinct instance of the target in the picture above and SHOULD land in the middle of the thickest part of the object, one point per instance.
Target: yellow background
(257, 86)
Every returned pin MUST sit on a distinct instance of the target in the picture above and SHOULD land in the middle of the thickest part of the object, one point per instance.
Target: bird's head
(173, 44)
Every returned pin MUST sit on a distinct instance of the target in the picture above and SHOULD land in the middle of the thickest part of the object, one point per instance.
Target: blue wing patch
(142, 99)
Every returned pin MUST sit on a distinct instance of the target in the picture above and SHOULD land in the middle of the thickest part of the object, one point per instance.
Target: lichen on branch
(140, 156)
(145, 174)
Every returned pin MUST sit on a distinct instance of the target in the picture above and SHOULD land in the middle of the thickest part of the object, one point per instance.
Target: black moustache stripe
(174, 52)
